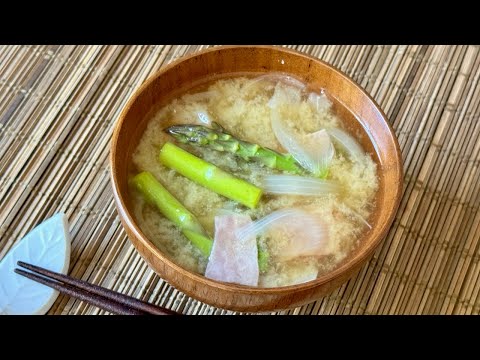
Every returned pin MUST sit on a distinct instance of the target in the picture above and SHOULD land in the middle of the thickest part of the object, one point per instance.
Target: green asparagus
(209, 175)
(173, 210)
(263, 259)
(218, 139)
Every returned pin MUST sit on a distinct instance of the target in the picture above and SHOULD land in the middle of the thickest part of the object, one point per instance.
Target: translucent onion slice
(321, 150)
(278, 78)
(284, 95)
(314, 152)
(300, 233)
(347, 143)
(350, 212)
(298, 185)
(320, 102)
(201, 96)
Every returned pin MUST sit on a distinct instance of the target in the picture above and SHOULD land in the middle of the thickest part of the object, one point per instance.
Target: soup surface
(243, 107)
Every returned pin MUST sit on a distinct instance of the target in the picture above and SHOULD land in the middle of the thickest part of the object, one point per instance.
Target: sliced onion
(201, 96)
(284, 95)
(313, 152)
(278, 78)
(259, 226)
(298, 185)
(347, 143)
(360, 217)
(304, 234)
(320, 148)
(349, 211)
(319, 101)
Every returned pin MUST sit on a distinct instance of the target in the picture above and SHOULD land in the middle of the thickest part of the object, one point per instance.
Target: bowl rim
(351, 262)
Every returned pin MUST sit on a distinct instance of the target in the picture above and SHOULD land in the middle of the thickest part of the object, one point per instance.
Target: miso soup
(317, 185)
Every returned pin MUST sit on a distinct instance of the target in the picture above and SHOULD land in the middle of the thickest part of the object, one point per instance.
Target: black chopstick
(96, 295)
(98, 301)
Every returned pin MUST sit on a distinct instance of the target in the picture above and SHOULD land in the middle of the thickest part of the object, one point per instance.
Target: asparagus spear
(209, 175)
(173, 210)
(203, 243)
(263, 259)
(218, 139)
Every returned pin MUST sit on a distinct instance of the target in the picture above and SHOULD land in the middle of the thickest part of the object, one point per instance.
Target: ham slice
(233, 260)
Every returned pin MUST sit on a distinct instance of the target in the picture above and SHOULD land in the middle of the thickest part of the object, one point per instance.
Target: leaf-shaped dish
(47, 246)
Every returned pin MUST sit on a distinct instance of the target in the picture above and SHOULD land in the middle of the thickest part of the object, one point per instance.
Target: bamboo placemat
(58, 106)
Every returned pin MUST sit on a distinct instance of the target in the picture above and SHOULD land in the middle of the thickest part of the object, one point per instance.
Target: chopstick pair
(98, 296)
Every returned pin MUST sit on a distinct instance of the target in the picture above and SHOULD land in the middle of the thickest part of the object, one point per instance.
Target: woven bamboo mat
(58, 106)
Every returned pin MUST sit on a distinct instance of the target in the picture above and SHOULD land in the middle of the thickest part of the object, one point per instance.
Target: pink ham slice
(232, 260)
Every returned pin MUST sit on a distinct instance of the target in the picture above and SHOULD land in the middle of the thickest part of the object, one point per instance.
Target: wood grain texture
(58, 105)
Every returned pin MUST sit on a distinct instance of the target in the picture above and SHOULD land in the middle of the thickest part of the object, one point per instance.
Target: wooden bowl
(361, 115)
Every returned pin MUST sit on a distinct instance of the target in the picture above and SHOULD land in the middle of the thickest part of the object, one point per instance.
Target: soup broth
(243, 107)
